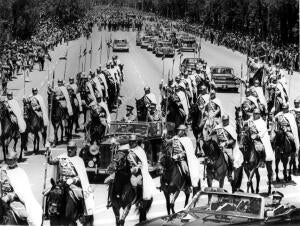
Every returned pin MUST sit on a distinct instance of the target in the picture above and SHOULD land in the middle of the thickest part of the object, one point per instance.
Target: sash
(67, 97)
(184, 102)
(43, 108)
(293, 124)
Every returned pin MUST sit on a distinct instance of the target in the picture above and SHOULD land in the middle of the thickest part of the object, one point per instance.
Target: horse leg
(257, 180)
(37, 142)
(124, 215)
(249, 183)
(270, 174)
(187, 196)
(172, 203)
(167, 197)
(277, 160)
(285, 162)
(44, 135)
(117, 215)
(62, 132)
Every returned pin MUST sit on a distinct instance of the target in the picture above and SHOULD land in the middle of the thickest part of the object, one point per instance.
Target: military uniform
(6, 188)
(259, 147)
(135, 165)
(284, 126)
(153, 116)
(129, 117)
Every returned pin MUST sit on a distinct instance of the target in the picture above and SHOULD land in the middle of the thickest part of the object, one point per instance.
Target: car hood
(205, 219)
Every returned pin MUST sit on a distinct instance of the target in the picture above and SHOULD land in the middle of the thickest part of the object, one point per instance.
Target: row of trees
(276, 20)
(23, 15)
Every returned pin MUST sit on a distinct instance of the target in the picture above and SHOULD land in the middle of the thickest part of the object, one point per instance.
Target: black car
(224, 78)
(214, 206)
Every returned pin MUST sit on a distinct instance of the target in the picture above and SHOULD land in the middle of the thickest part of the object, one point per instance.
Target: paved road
(141, 68)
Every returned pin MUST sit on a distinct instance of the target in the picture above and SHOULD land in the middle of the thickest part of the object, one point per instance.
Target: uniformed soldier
(149, 97)
(71, 175)
(213, 108)
(275, 207)
(153, 114)
(250, 103)
(38, 105)
(129, 117)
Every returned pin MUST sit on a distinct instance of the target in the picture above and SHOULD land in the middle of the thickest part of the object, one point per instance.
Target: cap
(71, 144)
(9, 93)
(34, 89)
(285, 106)
(133, 137)
(182, 127)
(71, 79)
(225, 117)
(277, 194)
(129, 107)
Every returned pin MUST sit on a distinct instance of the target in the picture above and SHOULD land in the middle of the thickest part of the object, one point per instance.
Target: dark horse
(141, 109)
(56, 202)
(81, 83)
(95, 129)
(58, 115)
(9, 130)
(251, 158)
(173, 181)
(123, 195)
(34, 125)
(76, 112)
(8, 217)
(113, 90)
(174, 110)
(217, 168)
(196, 116)
(283, 152)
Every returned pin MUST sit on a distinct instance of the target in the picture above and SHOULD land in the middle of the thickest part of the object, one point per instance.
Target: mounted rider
(250, 103)
(70, 174)
(183, 101)
(100, 107)
(189, 88)
(213, 109)
(96, 86)
(261, 139)
(129, 117)
(227, 140)
(183, 152)
(103, 82)
(62, 95)
(16, 192)
(139, 168)
(15, 111)
(258, 92)
(38, 105)
(149, 97)
(74, 88)
(286, 122)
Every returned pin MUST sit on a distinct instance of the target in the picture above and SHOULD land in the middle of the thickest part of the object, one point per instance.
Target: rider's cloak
(67, 98)
(193, 163)
(262, 129)
(261, 96)
(21, 185)
(78, 97)
(43, 108)
(88, 192)
(148, 183)
(184, 102)
(13, 104)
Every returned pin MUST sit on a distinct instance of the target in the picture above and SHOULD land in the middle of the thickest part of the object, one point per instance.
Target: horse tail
(144, 208)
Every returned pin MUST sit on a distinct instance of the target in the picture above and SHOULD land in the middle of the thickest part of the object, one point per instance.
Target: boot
(230, 170)
(262, 158)
(109, 193)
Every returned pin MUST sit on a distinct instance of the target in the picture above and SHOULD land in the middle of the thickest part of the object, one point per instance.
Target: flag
(84, 52)
(48, 57)
(163, 57)
(90, 52)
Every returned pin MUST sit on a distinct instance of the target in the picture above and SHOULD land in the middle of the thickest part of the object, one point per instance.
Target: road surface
(141, 68)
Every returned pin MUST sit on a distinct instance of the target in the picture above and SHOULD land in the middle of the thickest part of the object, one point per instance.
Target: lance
(79, 57)
(241, 87)
(172, 67)
(66, 60)
(100, 51)
(91, 54)
(163, 71)
(199, 49)
(85, 54)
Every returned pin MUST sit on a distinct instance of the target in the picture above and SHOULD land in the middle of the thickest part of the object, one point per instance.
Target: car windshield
(188, 41)
(193, 61)
(124, 41)
(222, 71)
(167, 44)
(135, 128)
(227, 204)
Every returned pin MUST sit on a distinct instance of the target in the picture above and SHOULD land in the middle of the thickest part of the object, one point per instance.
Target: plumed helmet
(182, 127)
(225, 118)
(146, 88)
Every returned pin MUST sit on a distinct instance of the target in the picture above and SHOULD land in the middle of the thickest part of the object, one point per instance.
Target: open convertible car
(214, 206)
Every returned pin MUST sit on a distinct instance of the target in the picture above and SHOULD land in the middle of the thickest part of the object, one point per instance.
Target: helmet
(133, 137)
(114, 57)
(72, 144)
(182, 127)
(256, 82)
(277, 194)
(177, 79)
(59, 81)
(285, 106)
(9, 93)
(256, 111)
(225, 118)
(146, 88)
(212, 94)
(71, 79)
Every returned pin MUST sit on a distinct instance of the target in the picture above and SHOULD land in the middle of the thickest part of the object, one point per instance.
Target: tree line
(271, 20)
(24, 15)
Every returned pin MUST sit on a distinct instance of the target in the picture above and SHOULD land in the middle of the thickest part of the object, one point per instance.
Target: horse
(10, 130)
(8, 217)
(173, 181)
(251, 158)
(56, 204)
(174, 111)
(122, 194)
(283, 152)
(34, 125)
(196, 117)
(95, 129)
(58, 115)
(141, 109)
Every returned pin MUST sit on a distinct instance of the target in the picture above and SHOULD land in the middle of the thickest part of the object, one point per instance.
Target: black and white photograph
(149, 112)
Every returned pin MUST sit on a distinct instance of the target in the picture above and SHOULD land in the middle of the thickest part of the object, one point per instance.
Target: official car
(120, 45)
(224, 78)
(164, 48)
(190, 63)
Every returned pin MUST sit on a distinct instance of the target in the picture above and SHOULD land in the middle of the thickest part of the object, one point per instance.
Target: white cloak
(21, 185)
(78, 97)
(88, 192)
(193, 163)
(152, 98)
(14, 106)
(67, 98)
(184, 102)
(261, 96)
(98, 85)
(148, 183)
(293, 124)
(218, 102)
(89, 85)
(43, 108)
(262, 129)
(103, 79)
(108, 117)
(237, 154)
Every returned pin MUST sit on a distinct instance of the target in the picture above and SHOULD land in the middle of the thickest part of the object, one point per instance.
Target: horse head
(212, 150)
(3, 108)
(55, 200)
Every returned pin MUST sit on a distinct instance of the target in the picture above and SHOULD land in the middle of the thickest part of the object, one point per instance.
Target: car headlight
(91, 164)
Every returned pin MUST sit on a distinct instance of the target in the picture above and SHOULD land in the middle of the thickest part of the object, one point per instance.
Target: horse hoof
(257, 191)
